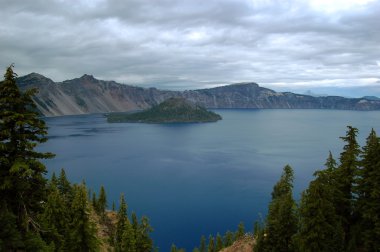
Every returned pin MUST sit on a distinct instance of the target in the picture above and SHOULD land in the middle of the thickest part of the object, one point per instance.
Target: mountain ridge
(87, 94)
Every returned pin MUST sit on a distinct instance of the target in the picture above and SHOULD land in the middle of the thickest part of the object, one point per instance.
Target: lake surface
(197, 179)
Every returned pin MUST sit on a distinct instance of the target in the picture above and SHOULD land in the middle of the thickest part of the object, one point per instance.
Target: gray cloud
(172, 44)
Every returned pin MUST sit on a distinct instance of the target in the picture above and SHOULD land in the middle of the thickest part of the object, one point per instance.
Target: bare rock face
(89, 95)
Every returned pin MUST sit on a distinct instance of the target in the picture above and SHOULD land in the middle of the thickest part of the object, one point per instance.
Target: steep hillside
(89, 95)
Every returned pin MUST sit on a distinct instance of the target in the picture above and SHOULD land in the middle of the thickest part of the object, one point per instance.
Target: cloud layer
(283, 44)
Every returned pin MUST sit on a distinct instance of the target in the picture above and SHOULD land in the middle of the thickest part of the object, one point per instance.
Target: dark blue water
(197, 179)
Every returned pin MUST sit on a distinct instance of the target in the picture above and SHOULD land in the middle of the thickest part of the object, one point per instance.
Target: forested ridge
(339, 211)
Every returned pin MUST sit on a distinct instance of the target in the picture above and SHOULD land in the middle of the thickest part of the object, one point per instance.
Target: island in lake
(172, 110)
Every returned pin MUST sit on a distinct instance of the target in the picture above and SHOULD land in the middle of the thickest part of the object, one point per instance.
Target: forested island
(172, 110)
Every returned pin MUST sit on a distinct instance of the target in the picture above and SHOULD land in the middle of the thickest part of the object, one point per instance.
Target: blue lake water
(197, 179)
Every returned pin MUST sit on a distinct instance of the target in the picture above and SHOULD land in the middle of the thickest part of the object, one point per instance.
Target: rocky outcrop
(89, 95)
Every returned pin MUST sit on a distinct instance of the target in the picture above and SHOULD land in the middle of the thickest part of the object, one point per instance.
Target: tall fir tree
(219, 242)
(64, 186)
(282, 218)
(143, 241)
(211, 244)
(102, 203)
(345, 180)
(121, 221)
(202, 245)
(22, 182)
(240, 231)
(320, 227)
(228, 238)
(82, 235)
(368, 190)
(55, 218)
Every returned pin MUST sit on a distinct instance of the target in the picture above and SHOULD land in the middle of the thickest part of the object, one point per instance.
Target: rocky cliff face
(89, 95)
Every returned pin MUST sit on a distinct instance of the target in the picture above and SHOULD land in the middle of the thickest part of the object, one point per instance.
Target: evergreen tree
(219, 242)
(102, 203)
(202, 246)
(320, 227)
(64, 186)
(22, 182)
(128, 243)
(240, 231)
(55, 218)
(282, 219)
(259, 235)
(82, 231)
(120, 223)
(211, 244)
(345, 182)
(143, 241)
(94, 202)
(173, 248)
(228, 238)
(368, 190)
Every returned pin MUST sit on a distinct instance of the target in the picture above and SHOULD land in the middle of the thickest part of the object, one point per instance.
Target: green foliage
(22, 182)
(170, 111)
(211, 244)
(82, 235)
(228, 239)
(368, 190)
(259, 235)
(122, 219)
(345, 180)
(282, 218)
(202, 246)
(240, 231)
(101, 203)
(320, 227)
(219, 242)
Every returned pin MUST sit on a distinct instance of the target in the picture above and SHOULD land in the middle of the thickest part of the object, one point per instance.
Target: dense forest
(339, 211)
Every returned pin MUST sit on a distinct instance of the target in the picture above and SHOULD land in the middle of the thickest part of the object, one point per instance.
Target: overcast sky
(325, 46)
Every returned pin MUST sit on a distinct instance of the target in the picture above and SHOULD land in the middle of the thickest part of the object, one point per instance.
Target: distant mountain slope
(89, 95)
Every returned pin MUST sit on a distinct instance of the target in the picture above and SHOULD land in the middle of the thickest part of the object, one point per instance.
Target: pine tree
(173, 248)
(345, 182)
(211, 244)
(228, 238)
(320, 227)
(102, 203)
(282, 219)
(219, 242)
(64, 186)
(368, 191)
(128, 242)
(240, 231)
(144, 242)
(55, 218)
(202, 246)
(259, 235)
(82, 230)
(94, 201)
(120, 223)
(22, 182)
